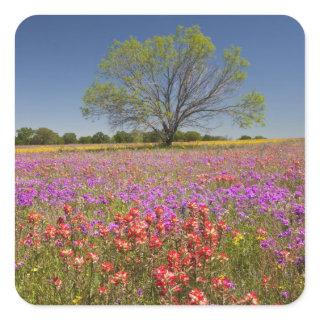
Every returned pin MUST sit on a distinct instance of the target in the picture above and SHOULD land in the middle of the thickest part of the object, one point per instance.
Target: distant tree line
(245, 137)
(45, 136)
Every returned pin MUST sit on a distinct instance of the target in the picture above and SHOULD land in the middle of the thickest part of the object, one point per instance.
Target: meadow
(215, 223)
(144, 145)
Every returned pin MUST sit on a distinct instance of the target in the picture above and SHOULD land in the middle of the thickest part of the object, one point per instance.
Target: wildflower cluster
(186, 227)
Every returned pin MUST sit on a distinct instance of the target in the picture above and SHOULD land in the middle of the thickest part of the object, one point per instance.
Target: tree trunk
(168, 135)
(168, 140)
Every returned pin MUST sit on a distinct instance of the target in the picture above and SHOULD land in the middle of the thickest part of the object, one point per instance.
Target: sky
(57, 59)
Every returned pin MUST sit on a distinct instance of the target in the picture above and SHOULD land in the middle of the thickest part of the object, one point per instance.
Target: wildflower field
(198, 225)
(142, 145)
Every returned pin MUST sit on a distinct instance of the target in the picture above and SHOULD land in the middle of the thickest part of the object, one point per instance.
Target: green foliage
(24, 136)
(166, 82)
(137, 136)
(250, 110)
(235, 63)
(128, 60)
(187, 136)
(192, 136)
(100, 137)
(208, 137)
(85, 140)
(69, 138)
(122, 137)
(178, 136)
(245, 137)
(151, 137)
(106, 94)
(44, 136)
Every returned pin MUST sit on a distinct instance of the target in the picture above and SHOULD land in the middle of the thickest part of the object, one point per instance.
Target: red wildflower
(34, 217)
(67, 209)
(184, 278)
(120, 277)
(164, 278)
(261, 232)
(160, 227)
(128, 217)
(204, 210)
(50, 232)
(66, 253)
(61, 220)
(173, 259)
(249, 298)
(64, 230)
(103, 231)
(159, 212)
(192, 206)
(205, 252)
(149, 218)
(137, 230)
(134, 212)
(196, 296)
(57, 282)
(252, 297)
(211, 232)
(193, 240)
(265, 280)
(186, 259)
(122, 245)
(93, 257)
(225, 177)
(79, 218)
(191, 225)
(106, 266)
(102, 290)
(119, 218)
(222, 282)
(174, 219)
(155, 242)
(201, 280)
(78, 243)
(222, 225)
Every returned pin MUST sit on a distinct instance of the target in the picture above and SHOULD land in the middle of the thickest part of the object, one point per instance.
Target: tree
(85, 140)
(136, 136)
(168, 82)
(150, 136)
(178, 136)
(207, 137)
(24, 136)
(46, 136)
(244, 137)
(69, 138)
(122, 137)
(192, 136)
(259, 137)
(100, 137)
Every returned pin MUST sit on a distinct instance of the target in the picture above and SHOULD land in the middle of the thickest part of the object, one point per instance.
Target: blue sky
(57, 59)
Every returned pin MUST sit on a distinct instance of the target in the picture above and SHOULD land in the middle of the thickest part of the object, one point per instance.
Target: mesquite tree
(168, 82)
